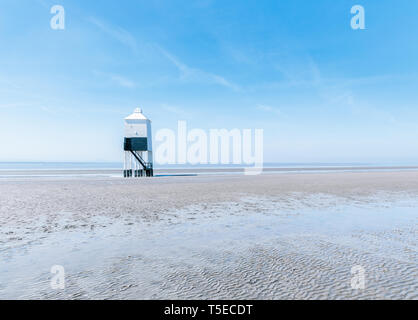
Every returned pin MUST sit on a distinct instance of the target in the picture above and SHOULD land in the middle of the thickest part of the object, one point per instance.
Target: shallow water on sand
(252, 249)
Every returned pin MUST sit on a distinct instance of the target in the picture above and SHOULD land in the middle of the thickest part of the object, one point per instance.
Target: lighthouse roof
(137, 115)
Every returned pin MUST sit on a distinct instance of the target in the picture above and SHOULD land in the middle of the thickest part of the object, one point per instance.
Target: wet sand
(273, 236)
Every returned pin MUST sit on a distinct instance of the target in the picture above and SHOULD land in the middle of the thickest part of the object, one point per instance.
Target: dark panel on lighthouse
(135, 144)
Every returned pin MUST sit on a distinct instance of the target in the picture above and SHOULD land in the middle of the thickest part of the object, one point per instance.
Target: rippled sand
(274, 236)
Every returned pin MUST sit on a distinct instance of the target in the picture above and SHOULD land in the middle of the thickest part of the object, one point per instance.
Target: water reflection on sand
(255, 248)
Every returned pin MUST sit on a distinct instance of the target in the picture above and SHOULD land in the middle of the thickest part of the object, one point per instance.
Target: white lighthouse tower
(137, 146)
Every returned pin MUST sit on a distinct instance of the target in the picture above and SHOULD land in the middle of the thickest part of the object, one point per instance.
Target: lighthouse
(137, 146)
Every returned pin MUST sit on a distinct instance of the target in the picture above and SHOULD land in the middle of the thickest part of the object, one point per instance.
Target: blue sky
(321, 91)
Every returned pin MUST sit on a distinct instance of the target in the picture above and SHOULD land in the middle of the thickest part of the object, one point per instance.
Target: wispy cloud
(117, 33)
(118, 79)
(305, 72)
(44, 4)
(187, 74)
(341, 94)
(11, 105)
(175, 110)
(122, 81)
(196, 75)
(267, 108)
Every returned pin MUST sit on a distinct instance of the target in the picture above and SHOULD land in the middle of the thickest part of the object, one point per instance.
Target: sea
(114, 169)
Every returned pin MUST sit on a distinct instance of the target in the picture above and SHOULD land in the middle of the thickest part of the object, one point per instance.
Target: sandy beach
(273, 236)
